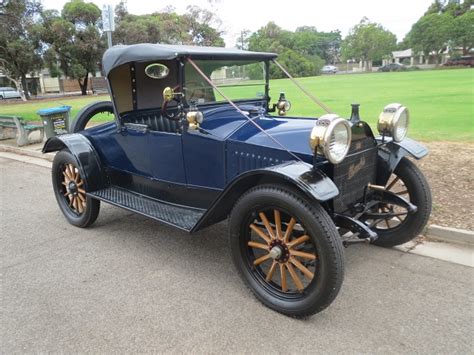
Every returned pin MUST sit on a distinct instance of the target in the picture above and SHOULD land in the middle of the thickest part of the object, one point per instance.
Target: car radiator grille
(353, 174)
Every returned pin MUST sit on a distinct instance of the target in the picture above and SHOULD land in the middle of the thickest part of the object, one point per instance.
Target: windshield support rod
(210, 82)
(306, 92)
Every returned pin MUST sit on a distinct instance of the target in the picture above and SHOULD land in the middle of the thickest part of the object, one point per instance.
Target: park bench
(13, 126)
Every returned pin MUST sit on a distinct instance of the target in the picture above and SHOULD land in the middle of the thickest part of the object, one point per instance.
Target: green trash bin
(55, 120)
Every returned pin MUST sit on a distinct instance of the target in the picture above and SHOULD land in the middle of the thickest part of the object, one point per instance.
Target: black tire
(87, 112)
(82, 215)
(420, 195)
(324, 240)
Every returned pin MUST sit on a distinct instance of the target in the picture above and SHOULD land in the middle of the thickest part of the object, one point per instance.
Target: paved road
(130, 284)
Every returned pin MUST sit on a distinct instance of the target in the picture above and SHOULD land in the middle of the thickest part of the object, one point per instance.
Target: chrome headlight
(393, 121)
(331, 136)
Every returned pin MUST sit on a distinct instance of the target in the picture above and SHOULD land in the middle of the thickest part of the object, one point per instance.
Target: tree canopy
(19, 42)
(368, 41)
(303, 52)
(454, 8)
(431, 33)
(74, 40)
(196, 27)
(71, 42)
(463, 32)
(447, 24)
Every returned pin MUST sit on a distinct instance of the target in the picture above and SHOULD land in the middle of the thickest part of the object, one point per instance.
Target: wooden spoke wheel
(398, 226)
(281, 252)
(74, 188)
(394, 215)
(70, 190)
(287, 250)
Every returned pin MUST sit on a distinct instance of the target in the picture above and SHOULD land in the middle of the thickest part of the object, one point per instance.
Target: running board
(181, 217)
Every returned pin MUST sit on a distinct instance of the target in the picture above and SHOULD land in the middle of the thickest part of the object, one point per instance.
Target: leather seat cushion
(153, 119)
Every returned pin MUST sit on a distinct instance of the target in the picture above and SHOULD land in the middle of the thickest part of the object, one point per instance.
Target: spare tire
(87, 112)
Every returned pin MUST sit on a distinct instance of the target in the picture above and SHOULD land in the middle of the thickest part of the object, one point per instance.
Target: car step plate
(178, 216)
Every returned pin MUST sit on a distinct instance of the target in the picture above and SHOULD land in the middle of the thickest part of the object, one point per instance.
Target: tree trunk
(18, 86)
(25, 86)
(83, 84)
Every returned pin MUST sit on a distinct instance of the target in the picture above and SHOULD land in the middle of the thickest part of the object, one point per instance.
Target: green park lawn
(441, 102)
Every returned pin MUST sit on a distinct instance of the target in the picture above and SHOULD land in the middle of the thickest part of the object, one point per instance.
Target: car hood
(291, 132)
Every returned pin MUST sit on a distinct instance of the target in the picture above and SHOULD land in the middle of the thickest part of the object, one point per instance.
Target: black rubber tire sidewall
(92, 205)
(319, 294)
(87, 112)
(420, 195)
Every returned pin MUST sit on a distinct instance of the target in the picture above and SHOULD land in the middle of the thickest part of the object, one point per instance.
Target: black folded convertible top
(143, 52)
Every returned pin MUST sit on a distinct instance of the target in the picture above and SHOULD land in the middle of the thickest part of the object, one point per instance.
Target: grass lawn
(441, 102)
(28, 110)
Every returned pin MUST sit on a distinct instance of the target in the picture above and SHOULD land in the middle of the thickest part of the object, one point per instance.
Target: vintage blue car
(196, 139)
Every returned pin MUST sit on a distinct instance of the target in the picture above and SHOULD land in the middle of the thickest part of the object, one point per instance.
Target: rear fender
(390, 154)
(89, 162)
(313, 183)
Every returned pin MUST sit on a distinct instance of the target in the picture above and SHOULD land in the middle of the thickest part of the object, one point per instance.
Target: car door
(166, 157)
(204, 158)
(133, 140)
(125, 150)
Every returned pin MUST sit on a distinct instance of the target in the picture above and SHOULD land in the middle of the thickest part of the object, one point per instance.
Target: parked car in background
(329, 69)
(9, 93)
(392, 67)
(467, 60)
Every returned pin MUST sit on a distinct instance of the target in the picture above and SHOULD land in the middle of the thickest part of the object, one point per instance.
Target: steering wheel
(171, 94)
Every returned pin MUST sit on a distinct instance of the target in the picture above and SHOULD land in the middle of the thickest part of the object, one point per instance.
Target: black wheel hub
(72, 187)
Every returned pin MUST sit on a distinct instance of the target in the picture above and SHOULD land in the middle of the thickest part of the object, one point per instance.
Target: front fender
(390, 154)
(89, 162)
(313, 183)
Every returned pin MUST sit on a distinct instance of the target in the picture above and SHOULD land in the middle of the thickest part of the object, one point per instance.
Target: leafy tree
(74, 39)
(196, 27)
(368, 41)
(463, 32)
(200, 24)
(431, 33)
(299, 62)
(308, 40)
(19, 42)
(243, 40)
(453, 7)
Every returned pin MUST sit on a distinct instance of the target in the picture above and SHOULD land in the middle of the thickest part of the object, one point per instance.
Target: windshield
(237, 79)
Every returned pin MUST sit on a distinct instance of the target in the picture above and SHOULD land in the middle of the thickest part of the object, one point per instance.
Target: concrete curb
(27, 152)
(450, 235)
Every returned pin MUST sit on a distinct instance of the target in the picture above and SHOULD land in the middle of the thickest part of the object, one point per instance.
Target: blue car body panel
(226, 146)
(212, 166)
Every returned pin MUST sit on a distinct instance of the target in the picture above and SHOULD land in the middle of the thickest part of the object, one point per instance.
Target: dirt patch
(449, 169)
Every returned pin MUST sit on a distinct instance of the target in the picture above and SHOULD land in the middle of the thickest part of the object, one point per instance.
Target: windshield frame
(265, 99)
